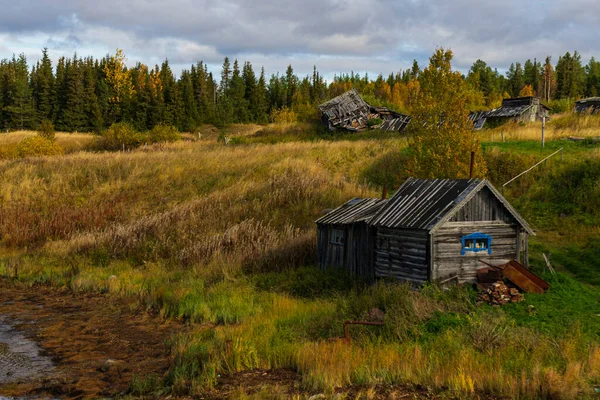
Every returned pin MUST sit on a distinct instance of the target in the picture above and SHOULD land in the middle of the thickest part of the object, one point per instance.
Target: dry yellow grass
(558, 127)
(70, 142)
(178, 223)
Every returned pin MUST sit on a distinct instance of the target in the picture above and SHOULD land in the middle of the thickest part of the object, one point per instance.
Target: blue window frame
(476, 242)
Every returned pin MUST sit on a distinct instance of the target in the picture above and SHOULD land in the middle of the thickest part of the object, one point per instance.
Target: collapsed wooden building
(349, 111)
(430, 230)
(590, 105)
(518, 109)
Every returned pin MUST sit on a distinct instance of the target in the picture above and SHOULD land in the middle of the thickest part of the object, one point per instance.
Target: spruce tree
(592, 71)
(43, 88)
(236, 95)
(250, 91)
(73, 117)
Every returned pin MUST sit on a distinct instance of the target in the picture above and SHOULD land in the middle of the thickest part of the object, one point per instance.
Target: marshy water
(20, 357)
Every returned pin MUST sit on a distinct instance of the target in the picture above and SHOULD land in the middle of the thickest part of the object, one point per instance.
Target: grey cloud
(340, 35)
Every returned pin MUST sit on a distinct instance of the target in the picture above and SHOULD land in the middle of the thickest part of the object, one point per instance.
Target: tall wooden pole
(543, 129)
(472, 165)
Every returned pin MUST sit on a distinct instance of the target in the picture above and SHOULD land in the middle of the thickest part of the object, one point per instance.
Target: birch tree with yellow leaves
(442, 135)
(118, 78)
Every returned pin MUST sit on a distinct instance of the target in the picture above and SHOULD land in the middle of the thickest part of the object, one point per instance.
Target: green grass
(222, 237)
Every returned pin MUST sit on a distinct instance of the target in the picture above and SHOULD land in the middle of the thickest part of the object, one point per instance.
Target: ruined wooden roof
(427, 203)
(589, 100)
(342, 110)
(350, 111)
(355, 210)
(515, 107)
(590, 104)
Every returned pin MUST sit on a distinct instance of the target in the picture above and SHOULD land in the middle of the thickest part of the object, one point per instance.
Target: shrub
(307, 112)
(36, 146)
(389, 170)
(561, 105)
(163, 133)
(503, 165)
(283, 115)
(574, 188)
(374, 122)
(121, 136)
(46, 130)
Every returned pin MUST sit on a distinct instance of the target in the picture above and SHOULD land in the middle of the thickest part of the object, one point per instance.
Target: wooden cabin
(430, 230)
(590, 105)
(518, 109)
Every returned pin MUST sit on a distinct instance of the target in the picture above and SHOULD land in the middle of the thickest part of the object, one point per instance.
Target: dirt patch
(283, 381)
(80, 332)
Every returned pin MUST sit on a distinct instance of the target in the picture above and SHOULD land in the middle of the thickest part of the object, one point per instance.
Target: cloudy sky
(378, 36)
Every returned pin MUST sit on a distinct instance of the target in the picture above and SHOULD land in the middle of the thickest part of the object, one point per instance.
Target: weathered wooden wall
(447, 245)
(484, 206)
(354, 256)
(401, 254)
(329, 255)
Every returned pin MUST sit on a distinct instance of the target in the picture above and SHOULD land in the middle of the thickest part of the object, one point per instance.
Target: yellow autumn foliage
(443, 136)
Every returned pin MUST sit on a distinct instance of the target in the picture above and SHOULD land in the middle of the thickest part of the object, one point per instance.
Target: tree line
(87, 94)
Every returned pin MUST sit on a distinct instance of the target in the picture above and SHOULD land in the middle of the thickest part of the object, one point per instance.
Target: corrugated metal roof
(355, 210)
(421, 203)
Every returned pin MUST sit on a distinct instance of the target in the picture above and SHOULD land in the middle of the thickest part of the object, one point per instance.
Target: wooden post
(472, 165)
(518, 258)
(526, 250)
(543, 129)
(384, 193)
(502, 136)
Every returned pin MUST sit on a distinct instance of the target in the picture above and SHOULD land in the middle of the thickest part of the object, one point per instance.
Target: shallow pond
(20, 358)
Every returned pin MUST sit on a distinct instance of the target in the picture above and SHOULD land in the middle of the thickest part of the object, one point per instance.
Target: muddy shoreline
(74, 334)
(79, 332)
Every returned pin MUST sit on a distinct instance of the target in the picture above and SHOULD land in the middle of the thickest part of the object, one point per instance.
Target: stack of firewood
(498, 294)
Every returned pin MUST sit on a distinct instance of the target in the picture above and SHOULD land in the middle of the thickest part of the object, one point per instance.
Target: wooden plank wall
(484, 206)
(354, 256)
(447, 245)
(329, 255)
(401, 254)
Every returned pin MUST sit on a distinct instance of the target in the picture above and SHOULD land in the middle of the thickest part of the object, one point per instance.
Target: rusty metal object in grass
(520, 276)
(523, 278)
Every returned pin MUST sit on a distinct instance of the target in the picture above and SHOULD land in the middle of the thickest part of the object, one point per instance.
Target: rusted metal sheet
(520, 276)
(523, 278)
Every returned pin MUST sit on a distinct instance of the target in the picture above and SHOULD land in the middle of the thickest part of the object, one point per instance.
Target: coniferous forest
(87, 94)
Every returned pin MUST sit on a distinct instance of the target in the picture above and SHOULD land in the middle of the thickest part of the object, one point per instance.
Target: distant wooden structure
(430, 230)
(590, 105)
(518, 109)
(350, 112)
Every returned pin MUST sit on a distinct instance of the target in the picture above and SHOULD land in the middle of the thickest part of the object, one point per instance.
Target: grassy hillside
(222, 236)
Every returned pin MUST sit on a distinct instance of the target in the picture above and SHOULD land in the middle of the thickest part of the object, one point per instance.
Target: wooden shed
(518, 109)
(589, 105)
(434, 230)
